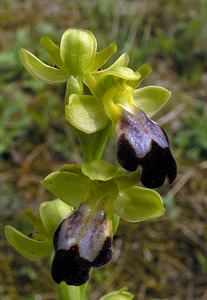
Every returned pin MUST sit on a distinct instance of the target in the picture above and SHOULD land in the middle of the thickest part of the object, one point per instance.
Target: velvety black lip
(157, 165)
(68, 266)
(126, 154)
(143, 142)
(104, 255)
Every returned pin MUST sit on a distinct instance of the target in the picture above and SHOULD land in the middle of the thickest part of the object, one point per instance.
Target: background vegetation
(162, 259)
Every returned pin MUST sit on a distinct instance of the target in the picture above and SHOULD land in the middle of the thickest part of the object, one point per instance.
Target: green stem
(69, 292)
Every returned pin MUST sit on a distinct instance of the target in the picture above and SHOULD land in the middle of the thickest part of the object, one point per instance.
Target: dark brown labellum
(143, 142)
(81, 241)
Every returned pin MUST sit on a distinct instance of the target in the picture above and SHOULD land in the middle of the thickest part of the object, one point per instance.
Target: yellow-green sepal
(138, 204)
(51, 213)
(40, 70)
(103, 56)
(119, 69)
(86, 113)
(67, 186)
(78, 50)
(53, 50)
(151, 99)
(26, 246)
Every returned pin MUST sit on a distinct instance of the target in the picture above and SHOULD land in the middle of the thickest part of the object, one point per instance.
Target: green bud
(99, 170)
(118, 295)
(78, 50)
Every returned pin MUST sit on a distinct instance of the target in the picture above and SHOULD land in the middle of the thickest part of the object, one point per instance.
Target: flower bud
(81, 241)
(78, 50)
(142, 141)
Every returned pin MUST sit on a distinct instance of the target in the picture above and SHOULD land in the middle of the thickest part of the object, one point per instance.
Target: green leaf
(40, 70)
(99, 170)
(144, 71)
(86, 113)
(78, 50)
(52, 212)
(29, 248)
(118, 295)
(151, 99)
(139, 204)
(103, 56)
(35, 220)
(53, 49)
(69, 187)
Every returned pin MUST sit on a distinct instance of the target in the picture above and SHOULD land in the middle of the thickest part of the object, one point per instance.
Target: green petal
(139, 204)
(53, 49)
(118, 295)
(40, 70)
(144, 71)
(151, 99)
(78, 50)
(86, 113)
(69, 187)
(103, 56)
(35, 220)
(99, 170)
(52, 212)
(29, 248)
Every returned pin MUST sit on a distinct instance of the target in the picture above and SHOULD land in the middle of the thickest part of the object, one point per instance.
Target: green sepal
(52, 212)
(86, 113)
(40, 70)
(35, 220)
(53, 49)
(151, 99)
(144, 71)
(68, 187)
(122, 294)
(103, 56)
(119, 72)
(78, 50)
(99, 170)
(29, 248)
(126, 180)
(139, 204)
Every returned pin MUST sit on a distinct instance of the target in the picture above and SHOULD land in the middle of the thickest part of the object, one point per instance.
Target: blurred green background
(161, 259)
